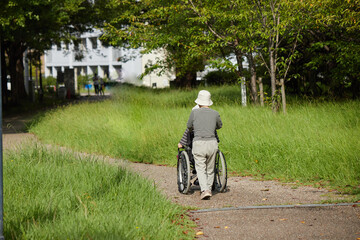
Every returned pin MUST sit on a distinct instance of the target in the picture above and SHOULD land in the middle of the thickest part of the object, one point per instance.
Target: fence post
(243, 92)
(261, 89)
(283, 97)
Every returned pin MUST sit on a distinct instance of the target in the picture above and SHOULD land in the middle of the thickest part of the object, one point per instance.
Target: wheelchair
(186, 173)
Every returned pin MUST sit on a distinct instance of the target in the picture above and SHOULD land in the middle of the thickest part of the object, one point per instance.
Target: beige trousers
(204, 155)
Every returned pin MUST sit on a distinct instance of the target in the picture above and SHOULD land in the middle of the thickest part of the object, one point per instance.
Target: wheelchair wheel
(183, 172)
(220, 179)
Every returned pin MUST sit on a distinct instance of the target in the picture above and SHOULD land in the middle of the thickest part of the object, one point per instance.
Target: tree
(209, 29)
(36, 25)
(154, 25)
(266, 32)
(224, 24)
(279, 26)
(180, 27)
(334, 45)
(254, 28)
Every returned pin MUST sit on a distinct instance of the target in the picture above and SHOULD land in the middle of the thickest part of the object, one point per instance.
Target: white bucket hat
(203, 98)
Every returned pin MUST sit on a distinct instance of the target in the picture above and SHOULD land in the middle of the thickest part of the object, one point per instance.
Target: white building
(90, 57)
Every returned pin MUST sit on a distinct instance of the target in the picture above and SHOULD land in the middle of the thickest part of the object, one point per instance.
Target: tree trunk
(3, 74)
(41, 90)
(261, 89)
(190, 79)
(283, 96)
(16, 68)
(253, 88)
(273, 81)
(355, 87)
(185, 80)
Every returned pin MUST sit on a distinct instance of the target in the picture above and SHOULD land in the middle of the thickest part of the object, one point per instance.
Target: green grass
(50, 194)
(315, 142)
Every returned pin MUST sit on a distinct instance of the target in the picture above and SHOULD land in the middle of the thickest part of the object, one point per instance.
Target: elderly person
(204, 121)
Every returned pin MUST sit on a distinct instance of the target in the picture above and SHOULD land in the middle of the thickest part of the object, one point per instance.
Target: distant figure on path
(96, 83)
(102, 87)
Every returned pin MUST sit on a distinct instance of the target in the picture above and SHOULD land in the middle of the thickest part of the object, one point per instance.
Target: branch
(277, 36)
(260, 14)
(317, 37)
(207, 23)
(292, 52)
(284, 35)
(263, 59)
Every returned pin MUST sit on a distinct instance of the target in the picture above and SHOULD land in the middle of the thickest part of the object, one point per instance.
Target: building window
(83, 44)
(76, 45)
(93, 41)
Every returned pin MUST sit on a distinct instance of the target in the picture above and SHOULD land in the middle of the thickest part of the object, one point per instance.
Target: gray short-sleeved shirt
(204, 122)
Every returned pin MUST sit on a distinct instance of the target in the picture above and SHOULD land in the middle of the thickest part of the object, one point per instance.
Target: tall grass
(313, 142)
(310, 143)
(56, 195)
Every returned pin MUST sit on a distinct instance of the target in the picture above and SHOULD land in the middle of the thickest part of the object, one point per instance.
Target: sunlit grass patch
(50, 194)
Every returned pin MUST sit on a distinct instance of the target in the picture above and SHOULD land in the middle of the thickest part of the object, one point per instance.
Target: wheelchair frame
(186, 173)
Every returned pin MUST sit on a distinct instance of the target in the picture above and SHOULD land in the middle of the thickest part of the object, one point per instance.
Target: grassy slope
(313, 142)
(55, 195)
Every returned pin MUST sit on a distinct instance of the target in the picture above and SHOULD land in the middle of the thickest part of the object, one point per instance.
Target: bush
(84, 79)
(220, 77)
(48, 81)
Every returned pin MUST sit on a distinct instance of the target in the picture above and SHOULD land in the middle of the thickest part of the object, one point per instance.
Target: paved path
(337, 222)
(292, 223)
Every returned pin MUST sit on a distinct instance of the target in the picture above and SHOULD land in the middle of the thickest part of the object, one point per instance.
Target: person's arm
(217, 137)
(190, 123)
(183, 140)
(218, 122)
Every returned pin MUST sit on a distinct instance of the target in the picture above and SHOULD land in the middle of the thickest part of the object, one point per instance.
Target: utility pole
(1, 161)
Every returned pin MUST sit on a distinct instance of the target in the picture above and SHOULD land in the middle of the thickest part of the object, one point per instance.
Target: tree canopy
(36, 25)
(277, 37)
(310, 45)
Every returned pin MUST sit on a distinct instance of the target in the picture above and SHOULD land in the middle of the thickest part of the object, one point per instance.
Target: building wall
(153, 79)
(89, 56)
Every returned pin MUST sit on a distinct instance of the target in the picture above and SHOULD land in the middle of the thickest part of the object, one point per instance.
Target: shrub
(220, 77)
(48, 81)
(84, 79)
